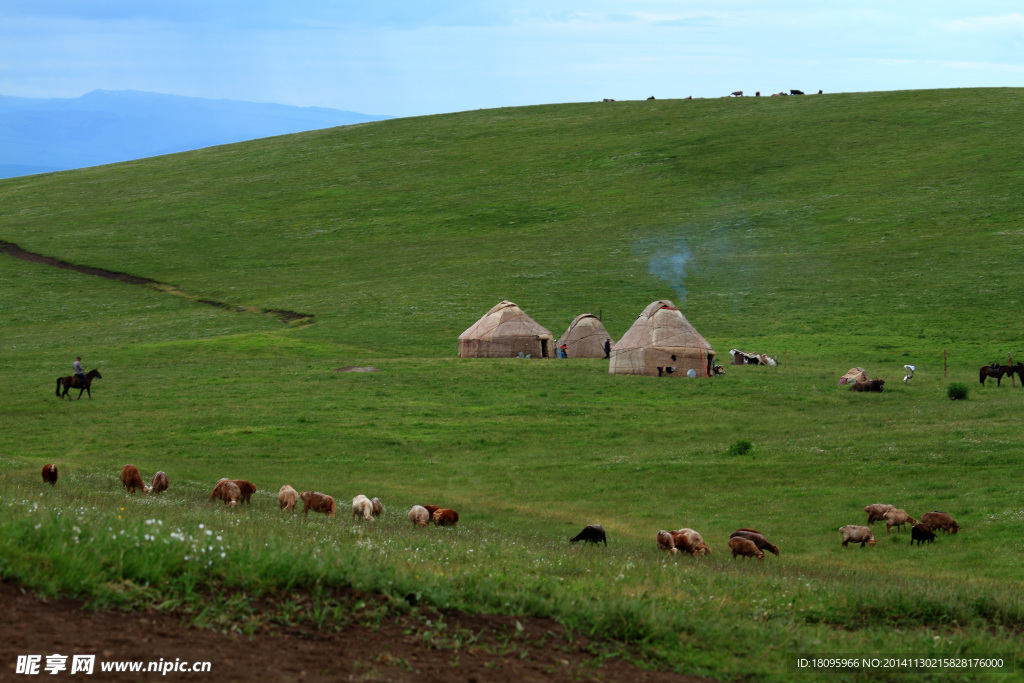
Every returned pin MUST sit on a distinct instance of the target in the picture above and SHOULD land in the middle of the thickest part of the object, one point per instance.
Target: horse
(1019, 369)
(74, 382)
(997, 372)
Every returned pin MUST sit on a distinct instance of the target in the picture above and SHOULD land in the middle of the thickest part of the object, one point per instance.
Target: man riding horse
(79, 372)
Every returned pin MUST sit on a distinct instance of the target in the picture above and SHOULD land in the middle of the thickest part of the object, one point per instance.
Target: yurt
(585, 337)
(662, 338)
(504, 332)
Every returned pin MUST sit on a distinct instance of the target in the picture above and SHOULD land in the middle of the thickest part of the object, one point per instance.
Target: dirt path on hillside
(402, 649)
(287, 317)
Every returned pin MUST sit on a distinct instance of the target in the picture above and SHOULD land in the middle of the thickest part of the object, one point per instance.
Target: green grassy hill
(870, 229)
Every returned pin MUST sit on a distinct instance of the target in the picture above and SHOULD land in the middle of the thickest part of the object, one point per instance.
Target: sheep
(378, 507)
(431, 509)
(246, 489)
(921, 533)
(132, 480)
(319, 502)
(898, 519)
(665, 542)
(160, 483)
(757, 538)
(227, 491)
(744, 547)
(876, 511)
(592, 533)
(418, 515)
(362, 507)
(218, 487)
(50, 474)
(940, 520)
(681, 543)
(287, 497)
(695, 542)
(445, 517)
(857, 534)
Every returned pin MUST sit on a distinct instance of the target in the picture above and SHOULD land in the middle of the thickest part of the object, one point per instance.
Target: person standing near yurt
(608, 347)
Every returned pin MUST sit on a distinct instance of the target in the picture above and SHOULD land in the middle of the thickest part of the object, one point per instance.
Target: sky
(420, 57)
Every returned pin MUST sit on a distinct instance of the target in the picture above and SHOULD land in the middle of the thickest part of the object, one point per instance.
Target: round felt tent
(663, 338)
(585, 337)
(505, 331)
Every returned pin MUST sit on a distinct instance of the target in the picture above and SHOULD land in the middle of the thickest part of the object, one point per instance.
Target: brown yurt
(663, 338)
(505, 332)
(585, 337)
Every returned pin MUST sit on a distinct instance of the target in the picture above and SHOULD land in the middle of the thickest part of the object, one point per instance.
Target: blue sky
(420, 57)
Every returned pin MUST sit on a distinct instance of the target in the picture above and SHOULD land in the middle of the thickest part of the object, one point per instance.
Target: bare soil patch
(402, 648)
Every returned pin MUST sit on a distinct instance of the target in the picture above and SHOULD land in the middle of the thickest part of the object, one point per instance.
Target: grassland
(866, 229)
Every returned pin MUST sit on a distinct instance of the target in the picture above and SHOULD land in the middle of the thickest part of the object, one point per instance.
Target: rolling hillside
(870, 229)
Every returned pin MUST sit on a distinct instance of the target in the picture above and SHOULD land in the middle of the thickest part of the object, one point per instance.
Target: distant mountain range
(103, 127)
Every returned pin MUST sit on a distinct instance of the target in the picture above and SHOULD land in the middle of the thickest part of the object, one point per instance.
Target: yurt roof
(505, 320)
(657, 329)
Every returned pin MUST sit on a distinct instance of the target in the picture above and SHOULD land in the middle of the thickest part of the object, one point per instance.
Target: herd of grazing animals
(744, 542)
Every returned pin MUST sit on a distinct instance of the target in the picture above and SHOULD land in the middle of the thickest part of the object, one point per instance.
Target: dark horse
(996, 371)
(75, 382)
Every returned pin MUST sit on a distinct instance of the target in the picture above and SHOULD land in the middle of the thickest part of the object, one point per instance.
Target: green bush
(957, 391)
(741, 447)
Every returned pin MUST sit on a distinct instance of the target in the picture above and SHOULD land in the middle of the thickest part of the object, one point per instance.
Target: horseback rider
(79, 372)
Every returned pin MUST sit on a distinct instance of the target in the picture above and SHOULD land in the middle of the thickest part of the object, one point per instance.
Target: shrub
(741, 447)
(957, 391)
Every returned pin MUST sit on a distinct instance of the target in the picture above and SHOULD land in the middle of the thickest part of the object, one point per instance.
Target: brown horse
(997, 372)
(1019, 369)
(75, 382)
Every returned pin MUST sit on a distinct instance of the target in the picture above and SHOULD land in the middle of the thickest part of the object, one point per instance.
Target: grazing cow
(608, 99)
(418, 515)
(445, 517)
(757, 94)
(921, 533)
(287, 497)
(50, 474)
(650, 98)
(738, 93)
(940, 520)
(796, 92)
(318, 502)
(870, 385)
(132, 480)
(744, 547)
(159, 483)
(592, 533)
(819, 92)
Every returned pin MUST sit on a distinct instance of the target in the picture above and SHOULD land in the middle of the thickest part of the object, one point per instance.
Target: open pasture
(871, 230)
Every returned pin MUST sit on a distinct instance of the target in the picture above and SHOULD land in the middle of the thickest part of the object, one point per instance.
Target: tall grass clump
(957, 391)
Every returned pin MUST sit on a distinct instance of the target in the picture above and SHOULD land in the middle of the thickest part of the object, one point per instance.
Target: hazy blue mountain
(102, 127)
